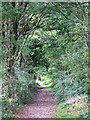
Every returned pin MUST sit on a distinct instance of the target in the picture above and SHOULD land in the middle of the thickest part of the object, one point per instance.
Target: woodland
(47, 42)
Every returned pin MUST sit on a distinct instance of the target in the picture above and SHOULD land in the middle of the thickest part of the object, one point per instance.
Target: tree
(46, 39)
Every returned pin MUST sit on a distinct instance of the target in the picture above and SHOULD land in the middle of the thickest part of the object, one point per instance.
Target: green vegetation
(45, 44)
(75, 107)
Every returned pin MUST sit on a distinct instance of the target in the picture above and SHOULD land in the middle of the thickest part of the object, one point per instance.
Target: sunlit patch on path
(43, 105)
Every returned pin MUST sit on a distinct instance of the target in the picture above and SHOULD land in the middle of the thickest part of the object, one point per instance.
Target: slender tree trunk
(14, 37)
(88, 44)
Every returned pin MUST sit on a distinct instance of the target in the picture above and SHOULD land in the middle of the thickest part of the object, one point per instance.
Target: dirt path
(43, 105)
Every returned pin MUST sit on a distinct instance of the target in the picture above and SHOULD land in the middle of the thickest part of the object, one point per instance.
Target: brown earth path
(43, 105)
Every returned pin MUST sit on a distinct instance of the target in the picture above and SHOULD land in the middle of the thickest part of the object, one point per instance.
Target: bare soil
(43, 105)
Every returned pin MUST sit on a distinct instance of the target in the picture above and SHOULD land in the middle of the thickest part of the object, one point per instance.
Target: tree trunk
(14, 37)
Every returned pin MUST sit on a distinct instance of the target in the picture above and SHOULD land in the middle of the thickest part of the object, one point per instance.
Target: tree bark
(13, 39)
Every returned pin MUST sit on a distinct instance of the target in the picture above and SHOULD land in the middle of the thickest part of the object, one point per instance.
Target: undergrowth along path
(43, 105)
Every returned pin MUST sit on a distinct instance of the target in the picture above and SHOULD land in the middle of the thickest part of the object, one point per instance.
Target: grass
(49, 88)
(76, 110)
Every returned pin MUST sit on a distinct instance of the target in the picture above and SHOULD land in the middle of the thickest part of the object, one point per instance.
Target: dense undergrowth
(16, 91)
(71, 87)
(45, 42)
(75, 107)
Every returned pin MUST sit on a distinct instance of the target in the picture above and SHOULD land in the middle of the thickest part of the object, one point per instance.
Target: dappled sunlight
(45, 59)
(45, 81)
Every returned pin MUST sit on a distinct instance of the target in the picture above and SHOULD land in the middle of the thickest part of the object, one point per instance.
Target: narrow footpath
(43, 105)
